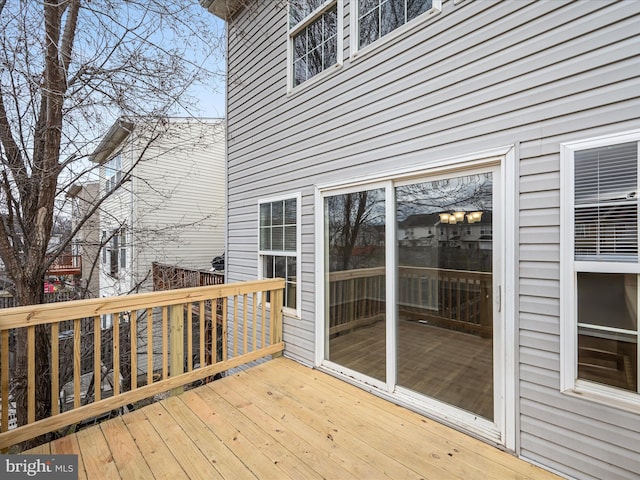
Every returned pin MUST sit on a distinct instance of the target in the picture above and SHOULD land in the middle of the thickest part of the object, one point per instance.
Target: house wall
(477, 76)
(115, 211)
(174, 204)
(88, 238)
(179, 203)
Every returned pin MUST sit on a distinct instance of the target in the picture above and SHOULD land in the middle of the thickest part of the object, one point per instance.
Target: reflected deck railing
(167, 356)
(455, 299)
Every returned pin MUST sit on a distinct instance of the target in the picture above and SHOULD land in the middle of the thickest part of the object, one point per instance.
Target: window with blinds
(606, 203)
(606, 271)
(279, 244)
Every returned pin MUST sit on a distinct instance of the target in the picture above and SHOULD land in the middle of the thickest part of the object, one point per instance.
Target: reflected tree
(356, 229)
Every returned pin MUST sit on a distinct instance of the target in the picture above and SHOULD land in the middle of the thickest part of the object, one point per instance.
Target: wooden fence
(169, 277)
(9, 301)
(257, 332)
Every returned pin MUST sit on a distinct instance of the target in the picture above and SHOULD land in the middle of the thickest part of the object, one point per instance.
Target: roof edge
(224, 9)
(114, 137)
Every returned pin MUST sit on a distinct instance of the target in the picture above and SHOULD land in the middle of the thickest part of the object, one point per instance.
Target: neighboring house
(346, 118)
(165, 182)
(86, 243)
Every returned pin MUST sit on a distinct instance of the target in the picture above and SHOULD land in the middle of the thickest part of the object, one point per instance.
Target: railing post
(277, 298)
(176, 341)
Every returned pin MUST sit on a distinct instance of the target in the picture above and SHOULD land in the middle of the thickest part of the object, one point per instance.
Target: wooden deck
(283, 420)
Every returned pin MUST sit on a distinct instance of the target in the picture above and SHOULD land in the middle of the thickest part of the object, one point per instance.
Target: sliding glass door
(444, 271)
(355, 272)
(411, 287)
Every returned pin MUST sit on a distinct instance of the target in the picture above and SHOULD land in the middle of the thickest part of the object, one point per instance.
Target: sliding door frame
(501, 162)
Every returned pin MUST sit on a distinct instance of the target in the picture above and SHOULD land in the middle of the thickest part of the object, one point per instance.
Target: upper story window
(377, 18)
(314, 43)
(600, 234)
(112, 173)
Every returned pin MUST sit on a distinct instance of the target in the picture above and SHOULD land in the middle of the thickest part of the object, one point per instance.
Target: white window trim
(356, 52)
(292, 31)
(290, 312)
(569, 383)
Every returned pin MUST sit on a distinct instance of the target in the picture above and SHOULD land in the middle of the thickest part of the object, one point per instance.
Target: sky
(212, 98)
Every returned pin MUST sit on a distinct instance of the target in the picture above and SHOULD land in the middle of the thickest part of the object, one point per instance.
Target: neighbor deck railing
(66, 264)
(455, 299)
(161, 337)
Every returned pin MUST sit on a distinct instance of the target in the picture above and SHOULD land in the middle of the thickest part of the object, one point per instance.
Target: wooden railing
(66, 265)
(169, 277)
(455, 299)
(161, 337)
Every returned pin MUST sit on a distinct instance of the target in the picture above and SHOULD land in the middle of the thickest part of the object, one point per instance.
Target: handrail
(171, 319)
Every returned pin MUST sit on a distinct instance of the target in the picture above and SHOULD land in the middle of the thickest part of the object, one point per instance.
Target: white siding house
(167, 203)
(450, 189)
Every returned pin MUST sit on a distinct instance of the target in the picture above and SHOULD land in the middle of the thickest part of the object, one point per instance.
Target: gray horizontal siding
(479, 75)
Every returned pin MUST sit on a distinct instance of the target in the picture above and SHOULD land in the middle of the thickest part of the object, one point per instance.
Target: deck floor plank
(161, 461)
(222, 458)
(484, 456)
(129, 460)
(69, 445)
(96, 454)
(187, 455)
(283, 420)
(315, 454)
(317, 418)
(375, 428)
(256, 460)
(290, 465)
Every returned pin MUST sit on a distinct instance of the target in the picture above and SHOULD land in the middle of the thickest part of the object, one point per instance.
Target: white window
(279, 244)
(315, 38)
(117, 251)
(600, 266)
(377, 18)
(104, 247)
(112, 173)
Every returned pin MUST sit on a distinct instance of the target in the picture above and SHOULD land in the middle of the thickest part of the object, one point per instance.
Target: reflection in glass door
(444, 282)
(355, 271)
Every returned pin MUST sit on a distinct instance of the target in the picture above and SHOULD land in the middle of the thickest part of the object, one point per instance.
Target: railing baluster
(276, 318)
(55, 368)
(76, 363)
(4, 381)
(133, 351)
(235, 325)
(255, 319)
(149, 346)
(203, 324)
(116, 354)
(214, 331)
(189, 337)
(225, 335)
(97, 360)
(264, 319)
(165, 347)
(245, 321)
(177, 343)
(31, 374)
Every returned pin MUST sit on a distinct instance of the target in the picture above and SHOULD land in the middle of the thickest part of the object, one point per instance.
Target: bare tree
(68, 68)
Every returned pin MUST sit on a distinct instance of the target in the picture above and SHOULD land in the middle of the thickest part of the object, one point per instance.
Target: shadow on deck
(282, 420)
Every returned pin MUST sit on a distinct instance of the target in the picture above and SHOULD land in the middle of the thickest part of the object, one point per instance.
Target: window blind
(606, 203)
